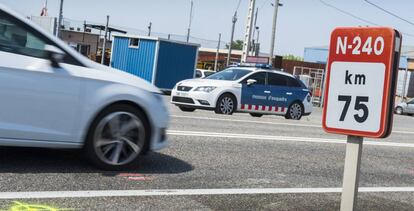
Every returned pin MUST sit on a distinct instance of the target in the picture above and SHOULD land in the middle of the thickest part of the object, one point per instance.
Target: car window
(231, 74)
(277, 79)
(411, 101)
(293, 82)
(208, 73)
(19, 38)
(198, 74)
(259, 77)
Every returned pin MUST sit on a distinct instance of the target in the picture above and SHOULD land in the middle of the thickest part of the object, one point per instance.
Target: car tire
(399, 111)
(226, 104)
(295, 111)
(256, 115)
(117, 137)
(186, 109)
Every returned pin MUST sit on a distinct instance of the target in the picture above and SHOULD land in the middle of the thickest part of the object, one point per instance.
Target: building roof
(102, 27)
(155, 39)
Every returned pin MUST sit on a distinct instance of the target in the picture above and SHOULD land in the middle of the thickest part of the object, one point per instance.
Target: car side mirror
(251, 82)
(55, 55)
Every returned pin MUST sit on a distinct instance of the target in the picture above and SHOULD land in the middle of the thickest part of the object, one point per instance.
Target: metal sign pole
(351, 173)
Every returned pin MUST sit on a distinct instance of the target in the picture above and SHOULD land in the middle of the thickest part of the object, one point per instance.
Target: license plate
(182, 94)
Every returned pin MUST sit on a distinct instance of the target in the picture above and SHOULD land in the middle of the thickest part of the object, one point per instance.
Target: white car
(200, 73)
(245, 89)
(405, 108)
(53, 97)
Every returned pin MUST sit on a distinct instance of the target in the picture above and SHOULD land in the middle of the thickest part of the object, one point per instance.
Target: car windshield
(208, 73)
(229, 74)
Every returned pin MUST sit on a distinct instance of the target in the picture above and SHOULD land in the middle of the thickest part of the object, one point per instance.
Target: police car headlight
(205, 89)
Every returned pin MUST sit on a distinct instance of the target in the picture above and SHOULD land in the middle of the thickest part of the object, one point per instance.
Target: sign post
(351, 172)
(359, 95)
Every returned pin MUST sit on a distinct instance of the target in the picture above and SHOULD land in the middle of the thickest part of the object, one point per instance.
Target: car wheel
(295, 111)
(117, 137)
(399, 111)
(256, 115)
(226, 104)
(186, 109)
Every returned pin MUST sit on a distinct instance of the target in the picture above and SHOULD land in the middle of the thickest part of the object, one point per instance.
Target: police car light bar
(262, 66)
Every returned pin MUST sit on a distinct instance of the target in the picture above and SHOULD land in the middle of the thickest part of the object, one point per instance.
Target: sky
(300, 23)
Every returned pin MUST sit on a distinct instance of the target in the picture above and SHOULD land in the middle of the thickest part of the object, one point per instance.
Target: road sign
(361, 81)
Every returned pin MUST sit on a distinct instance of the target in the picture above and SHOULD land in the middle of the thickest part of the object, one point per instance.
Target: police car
(253, 90)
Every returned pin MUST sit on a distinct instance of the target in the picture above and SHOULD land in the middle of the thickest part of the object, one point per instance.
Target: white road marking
(283, 138)
(188, 192)
(269, 123)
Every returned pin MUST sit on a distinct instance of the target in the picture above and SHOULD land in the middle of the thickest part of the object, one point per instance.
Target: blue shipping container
(161, 62)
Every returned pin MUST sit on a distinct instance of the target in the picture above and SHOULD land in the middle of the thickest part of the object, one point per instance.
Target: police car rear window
(229, 74)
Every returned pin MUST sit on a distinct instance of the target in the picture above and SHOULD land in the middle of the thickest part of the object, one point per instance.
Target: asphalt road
(220, 162)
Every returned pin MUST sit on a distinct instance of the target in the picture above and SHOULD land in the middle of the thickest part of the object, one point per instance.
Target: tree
(292, 57)
(236, 45)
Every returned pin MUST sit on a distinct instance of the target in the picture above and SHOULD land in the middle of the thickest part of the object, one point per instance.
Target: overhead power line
(238, 5)
(348, 13)
(357, 17)
(390, 13)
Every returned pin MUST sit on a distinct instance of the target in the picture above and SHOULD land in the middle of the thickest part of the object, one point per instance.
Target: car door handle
(267, 92)
(289, 93)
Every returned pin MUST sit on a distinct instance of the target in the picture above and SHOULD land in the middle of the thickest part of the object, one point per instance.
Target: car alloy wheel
(295, 111)
(399, 110)
(226, 105)
(119, 138)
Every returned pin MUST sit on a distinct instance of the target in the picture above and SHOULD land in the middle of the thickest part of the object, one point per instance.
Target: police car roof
(277, 71)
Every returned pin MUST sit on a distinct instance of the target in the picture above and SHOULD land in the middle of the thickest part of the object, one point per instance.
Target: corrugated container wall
(137, 61)
(175, 63)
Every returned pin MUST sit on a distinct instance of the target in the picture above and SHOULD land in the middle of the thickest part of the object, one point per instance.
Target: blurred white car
(405, 108)
(53, 97)
(200, 73)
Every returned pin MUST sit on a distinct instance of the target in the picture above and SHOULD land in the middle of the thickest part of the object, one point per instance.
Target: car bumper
(159, 117)
(199, 100)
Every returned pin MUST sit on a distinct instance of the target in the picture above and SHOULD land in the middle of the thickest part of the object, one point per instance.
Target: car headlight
(205, 89)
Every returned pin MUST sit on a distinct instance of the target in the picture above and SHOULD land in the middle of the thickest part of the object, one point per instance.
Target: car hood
(205, 82)
(105, 73)
(401, 105)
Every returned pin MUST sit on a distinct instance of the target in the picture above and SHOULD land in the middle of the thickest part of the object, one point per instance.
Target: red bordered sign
(361, 81)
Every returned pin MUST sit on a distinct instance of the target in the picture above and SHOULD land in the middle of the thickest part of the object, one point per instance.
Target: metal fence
(78, 25)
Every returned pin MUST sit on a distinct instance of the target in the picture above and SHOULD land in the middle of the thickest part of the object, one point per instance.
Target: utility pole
(254, 32)
(404, 86)
(191, 19)
(257, 47)
(217, 53)
(272, 41)
(248, 34)
(104, 41)
(234, 20)
(149, 29)
(59, 31)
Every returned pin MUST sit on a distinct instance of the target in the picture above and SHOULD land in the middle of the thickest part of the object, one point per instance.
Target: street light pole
(189, 24)
(272, 41)
(104, 41)
(231, 38)
(149, 29)
(217, 54)
(59, 31)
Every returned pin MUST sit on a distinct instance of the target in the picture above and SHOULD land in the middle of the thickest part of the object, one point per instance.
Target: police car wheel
(226, 105)
(295, 112)
(256, 115)
(186, 109)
